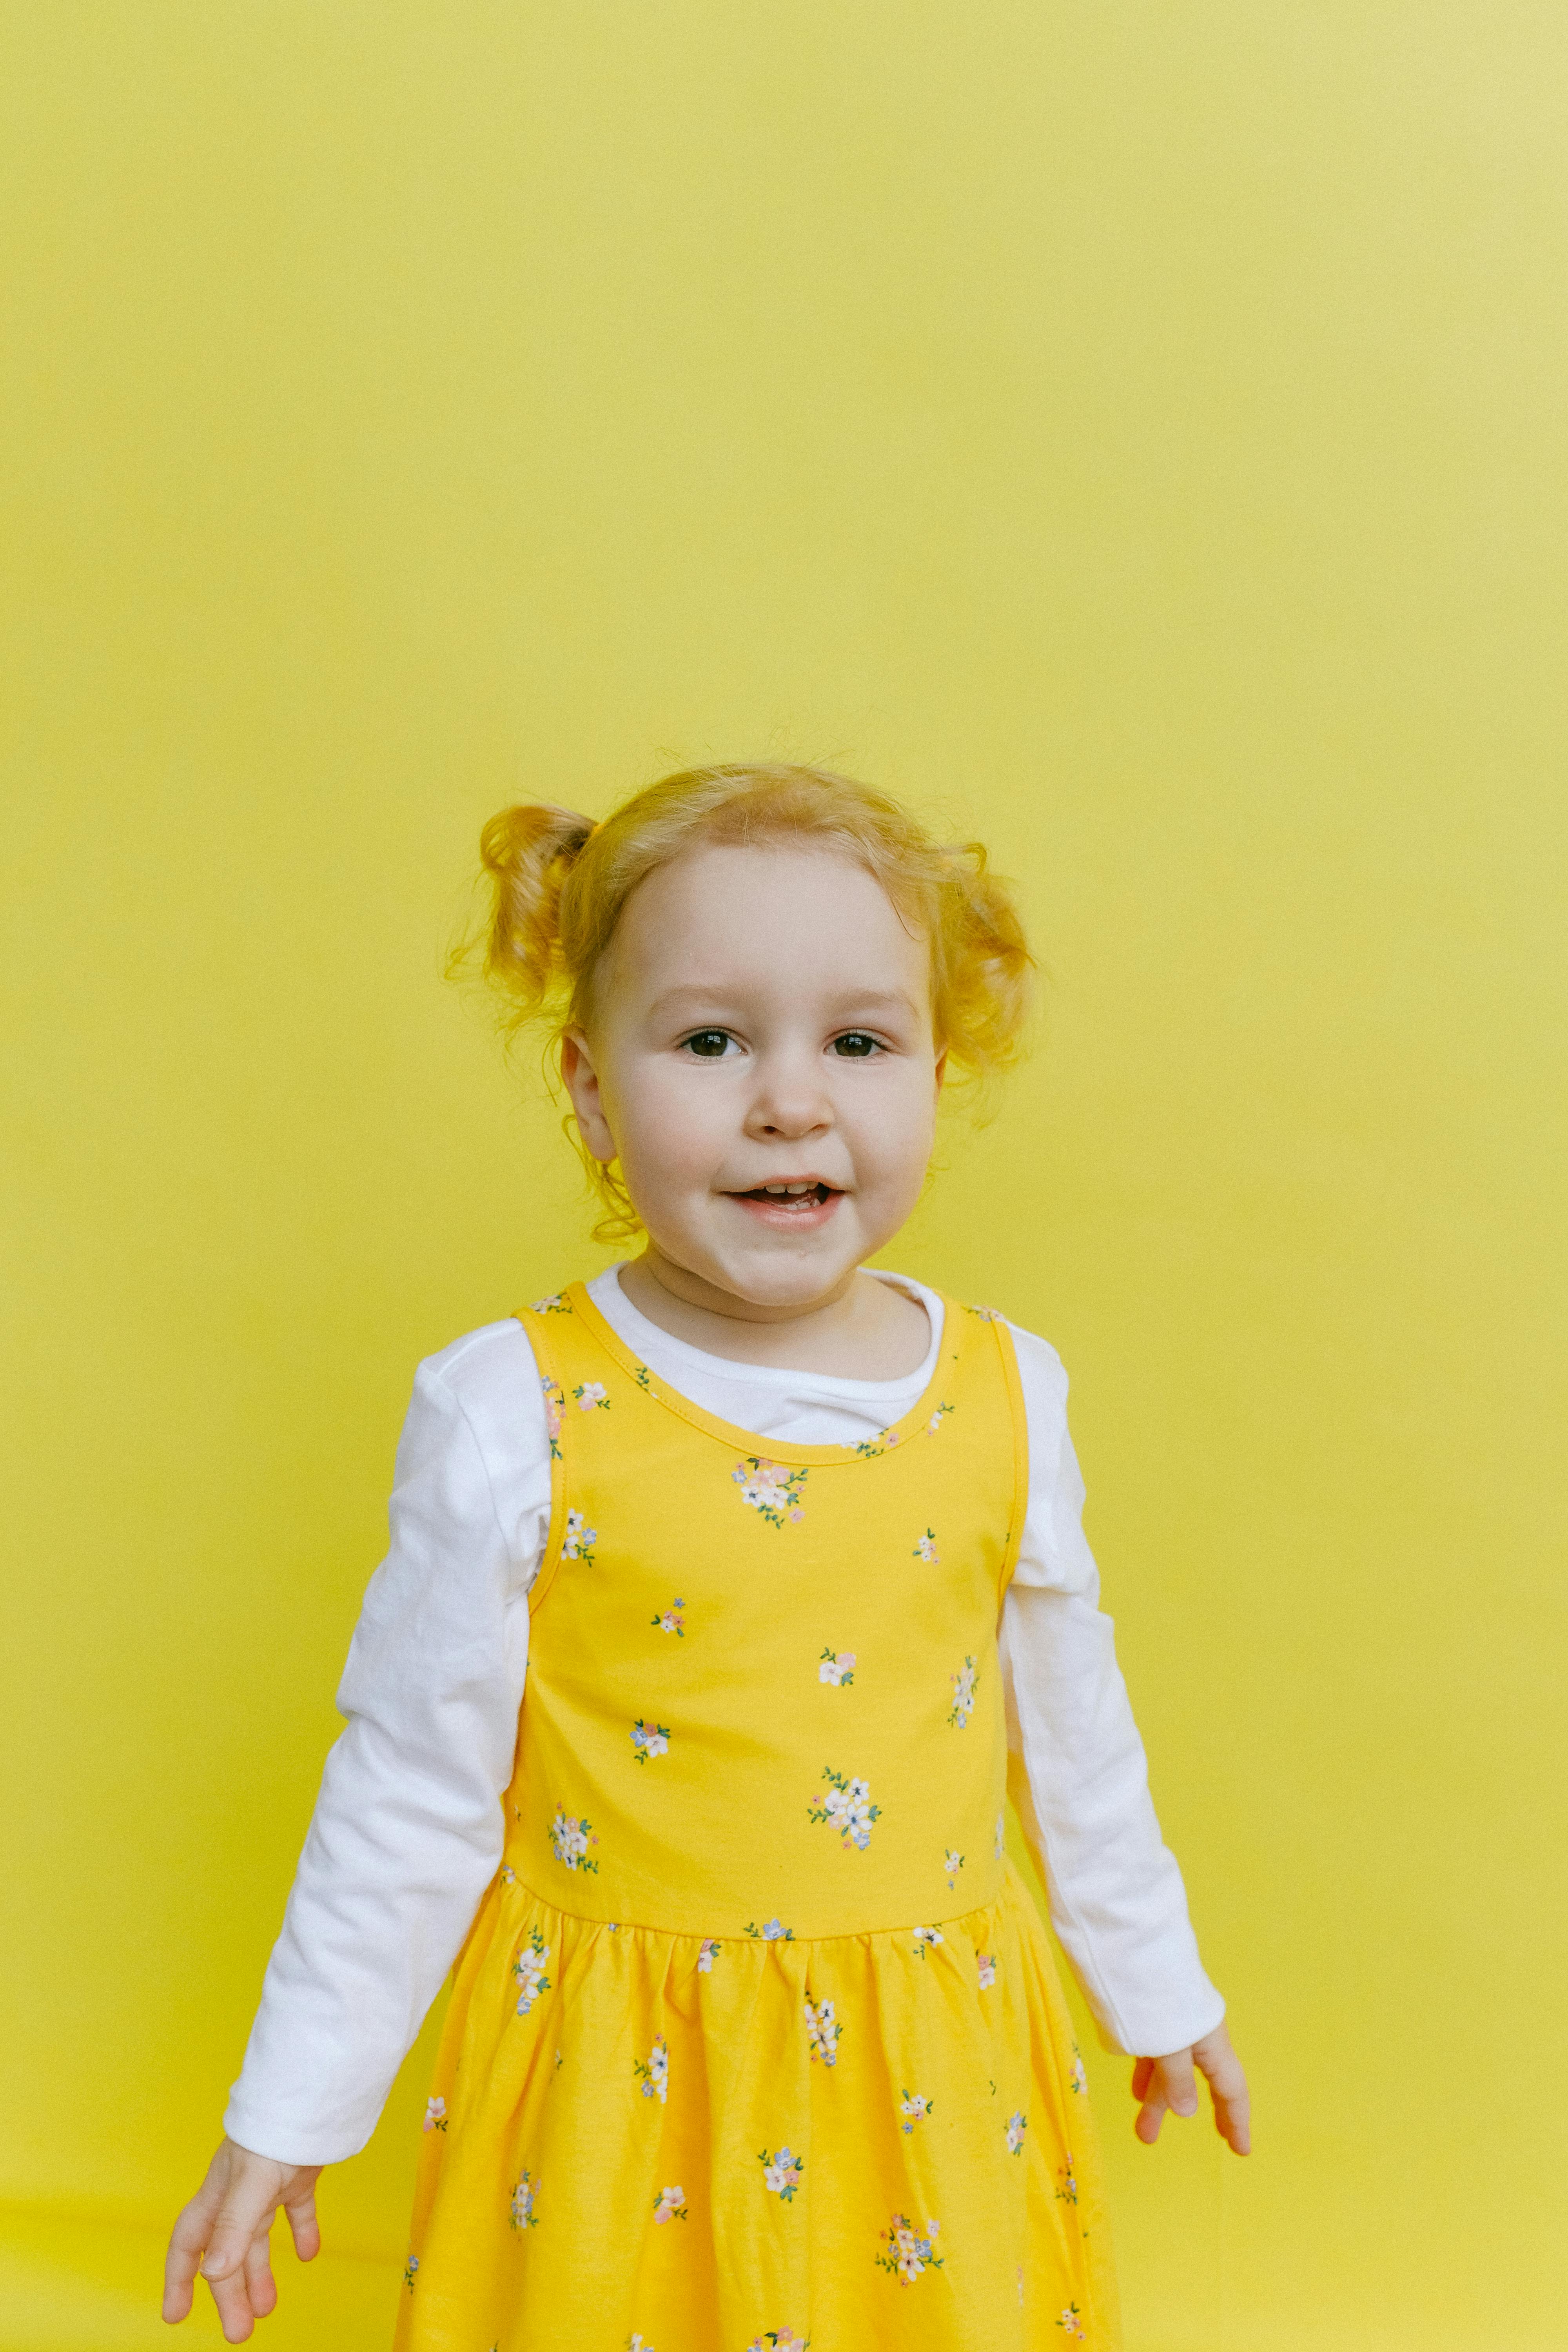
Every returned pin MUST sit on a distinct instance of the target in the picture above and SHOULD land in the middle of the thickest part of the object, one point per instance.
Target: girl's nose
(789, 1102)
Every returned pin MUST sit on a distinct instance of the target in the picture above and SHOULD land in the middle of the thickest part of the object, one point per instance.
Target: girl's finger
(187, 2240)
(1178, 2082)
(1142, 2070)
(260, 2286)
(1152, 2114)
(303, 2224)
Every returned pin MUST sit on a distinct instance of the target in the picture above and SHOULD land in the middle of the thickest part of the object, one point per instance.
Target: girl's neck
(864, 1330)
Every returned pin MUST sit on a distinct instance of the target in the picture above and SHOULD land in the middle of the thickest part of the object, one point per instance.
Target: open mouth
(789, 1197)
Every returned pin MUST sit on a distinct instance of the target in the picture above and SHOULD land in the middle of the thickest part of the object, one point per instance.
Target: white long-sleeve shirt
(407, 1830)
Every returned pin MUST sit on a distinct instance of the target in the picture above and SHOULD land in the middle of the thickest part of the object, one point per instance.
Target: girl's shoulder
(488, 1381)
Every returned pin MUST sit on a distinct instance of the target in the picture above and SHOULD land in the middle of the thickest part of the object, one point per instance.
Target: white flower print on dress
(554, 1409)
(924, 1937)
(963, 1707)
(649, 1739)
(915, 2107)
(1071, 2323)
(781, 2172)
(985, 1970)
(770, 1490)
(771, 1932)
(822, 2031)
(556, 1304)
(1001, 1845)
(529, 1969)
(837, 1667)
(670, 1621)
(846, 1807)
(639, 2343)
(1016, 2127)
(986, 1314)
(579, 1539)
(569, 1839)
(926, 1549)
(1067, 2192)
(589, 1394)
(954, 1865)
(778, 2339)
(937, 1417)
(435, 2114)
(655, 2071)
(1078, 2080)
(669, 2205)
(909, 2252)
(707, 1953)
(524, 2198)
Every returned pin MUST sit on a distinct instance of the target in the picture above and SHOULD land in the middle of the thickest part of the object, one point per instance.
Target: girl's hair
(559, 882)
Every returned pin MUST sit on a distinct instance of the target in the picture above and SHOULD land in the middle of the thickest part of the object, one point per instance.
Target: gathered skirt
(674, 2144)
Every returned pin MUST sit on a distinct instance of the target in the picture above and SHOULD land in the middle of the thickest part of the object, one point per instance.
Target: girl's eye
(856, 1045)
(709, 1043)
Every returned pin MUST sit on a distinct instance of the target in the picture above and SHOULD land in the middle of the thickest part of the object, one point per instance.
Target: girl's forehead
(765, 910)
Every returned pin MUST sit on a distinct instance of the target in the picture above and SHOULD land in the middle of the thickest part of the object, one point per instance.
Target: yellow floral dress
(756, 2041)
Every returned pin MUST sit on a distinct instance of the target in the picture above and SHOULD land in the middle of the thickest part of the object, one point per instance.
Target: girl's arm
(407, 1830)
(1079, 1781)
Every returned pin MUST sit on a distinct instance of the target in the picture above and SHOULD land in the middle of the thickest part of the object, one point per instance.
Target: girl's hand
(224, 2229)
(1161, 2082)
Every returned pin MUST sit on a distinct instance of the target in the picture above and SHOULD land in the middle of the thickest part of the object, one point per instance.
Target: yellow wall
(1138, 432)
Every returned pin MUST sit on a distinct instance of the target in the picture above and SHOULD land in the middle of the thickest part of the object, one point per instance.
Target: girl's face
(762, 1064)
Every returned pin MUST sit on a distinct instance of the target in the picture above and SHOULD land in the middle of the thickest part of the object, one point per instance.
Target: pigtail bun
(528, 851)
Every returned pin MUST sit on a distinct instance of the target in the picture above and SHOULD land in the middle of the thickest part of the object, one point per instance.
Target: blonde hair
(559, 882)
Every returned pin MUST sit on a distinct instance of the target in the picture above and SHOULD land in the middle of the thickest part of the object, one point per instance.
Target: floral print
(556, 1304)
(1078, 2080)
(1017, 2124)
(529, 1969)
(963, 1708)
(781, 2172)
(848, 1807)
(837, 1667)
(924, 1937)
(1067, 2192)
(648, 1739)
(554, 1409)
(937, 1417)
(822, 2031)
(986, 1314)
(524, 2198)
(435, 2114)
(1001, 1847)
(985, 1970)
(579, 1539)
(926, 1549)
(589, 1394)
(669, 2205)
(772, 1933)
(915, 2107)
(1071, 2323)
(707, 1953)
(770, 1490)
(569, 1839)
(869, 1448)
(954, 1864)
(670, 1620)
(409, 2267)
(781, 2339)
(655, 2071)
(908, 2253)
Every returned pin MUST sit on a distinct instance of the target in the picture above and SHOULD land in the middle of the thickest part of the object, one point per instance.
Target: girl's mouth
(793, 1205)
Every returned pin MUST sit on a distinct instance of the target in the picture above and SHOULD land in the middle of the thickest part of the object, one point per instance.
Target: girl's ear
(582, 1083)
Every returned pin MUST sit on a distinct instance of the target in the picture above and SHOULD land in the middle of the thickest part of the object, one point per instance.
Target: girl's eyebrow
(709, 996)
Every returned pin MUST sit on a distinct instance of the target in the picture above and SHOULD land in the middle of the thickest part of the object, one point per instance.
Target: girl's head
(756, 978)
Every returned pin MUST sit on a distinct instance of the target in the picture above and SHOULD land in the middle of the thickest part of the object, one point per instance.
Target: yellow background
(1136, 435)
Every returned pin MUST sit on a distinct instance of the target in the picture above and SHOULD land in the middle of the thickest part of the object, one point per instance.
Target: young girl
(730, 1597)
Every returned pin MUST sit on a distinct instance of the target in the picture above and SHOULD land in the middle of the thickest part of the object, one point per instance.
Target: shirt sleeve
(408, 1829)
(1076, 1768)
